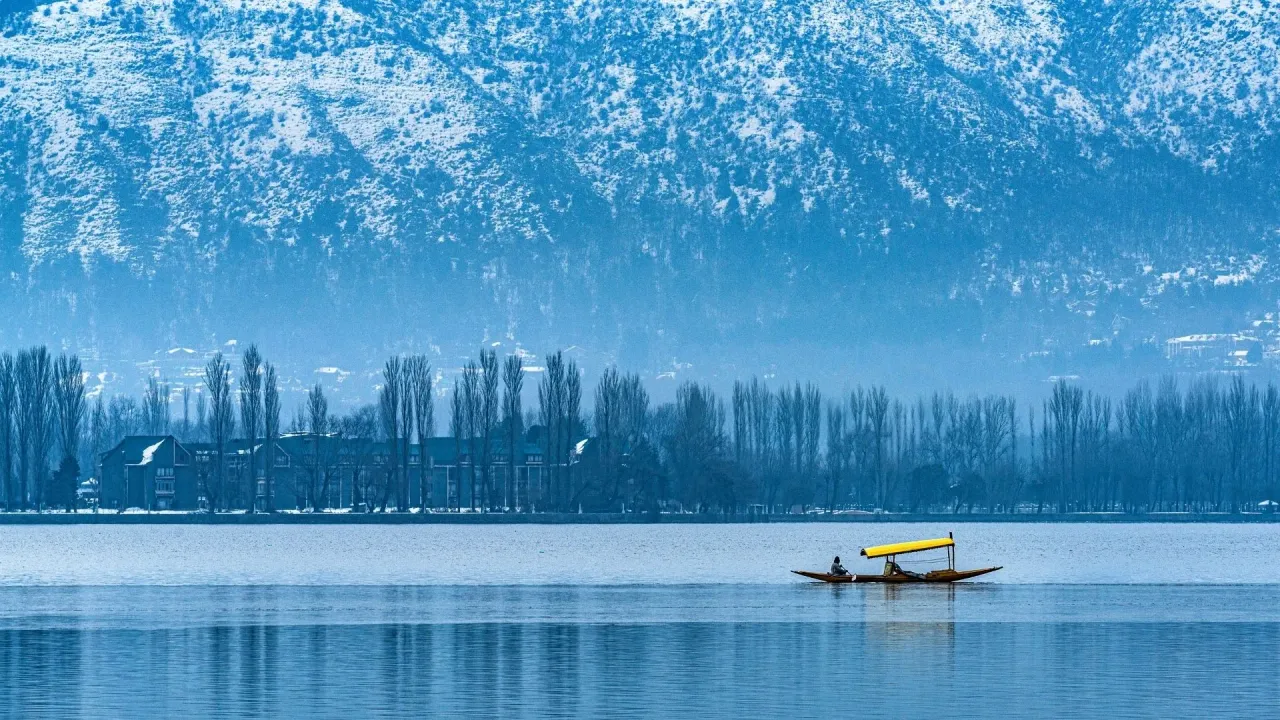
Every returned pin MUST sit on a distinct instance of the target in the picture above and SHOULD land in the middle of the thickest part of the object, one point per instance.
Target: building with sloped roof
(154, 472)
(325, 471)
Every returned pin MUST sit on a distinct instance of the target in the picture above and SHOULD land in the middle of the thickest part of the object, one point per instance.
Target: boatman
(837, 568)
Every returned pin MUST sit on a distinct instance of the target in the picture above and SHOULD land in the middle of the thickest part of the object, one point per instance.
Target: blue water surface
(722, 649)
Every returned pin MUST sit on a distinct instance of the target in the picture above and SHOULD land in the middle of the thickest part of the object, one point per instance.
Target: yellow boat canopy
(907, 547)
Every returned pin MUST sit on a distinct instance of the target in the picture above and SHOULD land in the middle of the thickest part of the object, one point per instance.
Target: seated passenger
(837, 568)
(893, 568)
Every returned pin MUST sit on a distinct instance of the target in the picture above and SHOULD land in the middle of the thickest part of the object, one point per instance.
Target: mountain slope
(646, 179)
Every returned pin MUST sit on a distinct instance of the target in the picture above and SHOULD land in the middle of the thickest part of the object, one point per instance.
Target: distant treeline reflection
(1209, 445)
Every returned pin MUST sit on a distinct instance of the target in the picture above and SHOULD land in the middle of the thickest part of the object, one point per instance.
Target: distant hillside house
(1234, 349)
(148, 471)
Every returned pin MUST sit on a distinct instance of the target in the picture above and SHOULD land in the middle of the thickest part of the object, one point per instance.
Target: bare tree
(1270, 441)
(251, 416)
(695, 442)
(70, 405)
(551, 406)
(98, 441)
(35, 423)
(740, 421)
(217, 382)
(318, 424)
(271, 429)
(471, 403)
(572, 425)
(389, 400)
(1065, 407)
(759, 457)
(1241, 406)
(837, 444)
(642, 468)
(184, 431)
(513, 385)
(425, 420)
(877, 409)
(812, 404)
(457, 426)
(155, 407)
(124, 417)
(202, 420)
(407, 416)
(489, 382)
(330, 462)
(608, 421)
(8, 417)
(361, 429)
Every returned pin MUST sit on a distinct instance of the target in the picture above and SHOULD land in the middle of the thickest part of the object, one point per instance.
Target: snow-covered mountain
(736, 185)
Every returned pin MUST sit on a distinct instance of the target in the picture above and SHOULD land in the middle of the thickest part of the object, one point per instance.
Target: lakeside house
(161, 473)
(149, 471)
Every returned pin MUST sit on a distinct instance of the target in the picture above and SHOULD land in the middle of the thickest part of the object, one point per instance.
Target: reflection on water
(799, 651)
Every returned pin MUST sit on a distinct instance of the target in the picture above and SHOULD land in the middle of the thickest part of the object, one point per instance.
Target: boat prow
(825, 577)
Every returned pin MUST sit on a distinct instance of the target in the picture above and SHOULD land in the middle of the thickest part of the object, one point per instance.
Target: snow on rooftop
(1210, 337)
(150, 452)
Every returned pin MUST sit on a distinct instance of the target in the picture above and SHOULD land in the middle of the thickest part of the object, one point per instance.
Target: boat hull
(937, 576)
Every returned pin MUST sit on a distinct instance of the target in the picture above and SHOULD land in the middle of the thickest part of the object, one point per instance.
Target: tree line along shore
(1208, 446)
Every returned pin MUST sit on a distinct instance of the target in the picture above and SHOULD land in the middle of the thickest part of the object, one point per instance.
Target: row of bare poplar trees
(486, 417)
(1211, 444)
(42, 411)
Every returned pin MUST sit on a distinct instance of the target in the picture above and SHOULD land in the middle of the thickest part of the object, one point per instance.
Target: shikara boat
(895, 574)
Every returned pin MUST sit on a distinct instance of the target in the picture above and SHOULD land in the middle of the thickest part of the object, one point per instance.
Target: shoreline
(392, 518)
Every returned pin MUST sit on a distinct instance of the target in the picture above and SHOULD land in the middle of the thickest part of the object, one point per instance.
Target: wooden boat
(895, 574)
(937, 576)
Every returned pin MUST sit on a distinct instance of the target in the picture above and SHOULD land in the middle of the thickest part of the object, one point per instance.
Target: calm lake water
(633, 621)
